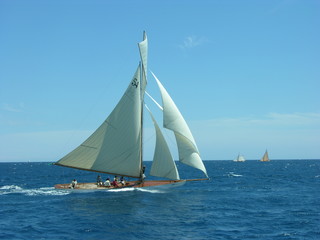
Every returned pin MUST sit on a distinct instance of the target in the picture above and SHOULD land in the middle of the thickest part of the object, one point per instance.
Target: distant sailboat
(239, 158)
(116, 146)
(265, 157)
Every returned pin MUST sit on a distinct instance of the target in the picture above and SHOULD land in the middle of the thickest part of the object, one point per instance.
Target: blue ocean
(279, 199)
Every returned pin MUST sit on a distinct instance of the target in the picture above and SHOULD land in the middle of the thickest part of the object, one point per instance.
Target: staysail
(163, 164)
(115, 147)
(173, 120)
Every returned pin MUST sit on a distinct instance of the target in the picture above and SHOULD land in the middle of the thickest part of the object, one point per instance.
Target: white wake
(13, 189)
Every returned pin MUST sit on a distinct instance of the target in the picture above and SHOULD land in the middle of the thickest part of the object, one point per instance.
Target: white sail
(115, 147)
(265, 157)
(240, 158)
(173, 120)
(163, 164)
(143, 48)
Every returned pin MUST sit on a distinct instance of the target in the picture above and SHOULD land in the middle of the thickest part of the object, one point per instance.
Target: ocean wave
(232, 174)
(10, 187)
(13, 189)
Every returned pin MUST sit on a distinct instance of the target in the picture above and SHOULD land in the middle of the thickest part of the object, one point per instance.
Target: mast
(141, 136)
(143, 81)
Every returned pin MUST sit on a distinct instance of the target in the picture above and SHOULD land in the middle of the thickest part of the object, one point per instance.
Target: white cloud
(192, 41)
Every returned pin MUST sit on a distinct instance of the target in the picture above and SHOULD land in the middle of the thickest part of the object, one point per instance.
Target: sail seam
(82, 145)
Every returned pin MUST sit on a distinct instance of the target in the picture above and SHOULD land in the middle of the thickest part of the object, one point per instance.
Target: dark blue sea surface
(242, 200)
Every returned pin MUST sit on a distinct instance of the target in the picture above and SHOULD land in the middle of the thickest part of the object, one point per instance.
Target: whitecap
(232, 174)
(45, 191)
(9, 189)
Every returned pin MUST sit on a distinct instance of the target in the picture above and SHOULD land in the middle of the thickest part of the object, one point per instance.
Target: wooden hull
(131, 184)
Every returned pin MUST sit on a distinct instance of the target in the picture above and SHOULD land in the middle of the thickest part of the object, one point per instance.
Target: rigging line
(159, 106)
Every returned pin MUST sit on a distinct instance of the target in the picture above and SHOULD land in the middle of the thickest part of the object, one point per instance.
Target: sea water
(242, 200)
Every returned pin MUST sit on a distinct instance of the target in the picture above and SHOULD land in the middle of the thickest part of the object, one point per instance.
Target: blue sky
(245, 74)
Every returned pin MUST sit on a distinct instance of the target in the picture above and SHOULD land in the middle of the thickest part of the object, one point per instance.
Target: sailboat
(265, 157)
(239, 158)
(116, 147)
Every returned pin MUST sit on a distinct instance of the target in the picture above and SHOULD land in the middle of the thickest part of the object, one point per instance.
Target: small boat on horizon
(239, 158)
(265, 157)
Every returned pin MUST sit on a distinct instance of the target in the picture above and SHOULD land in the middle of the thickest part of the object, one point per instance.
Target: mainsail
(115, 147)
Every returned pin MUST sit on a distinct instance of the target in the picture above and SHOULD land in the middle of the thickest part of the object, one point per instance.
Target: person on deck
(107, 183)
(122, 181)
(116, 179)
(115, 183)
(74, 183)
(99, 181)
(143, 175)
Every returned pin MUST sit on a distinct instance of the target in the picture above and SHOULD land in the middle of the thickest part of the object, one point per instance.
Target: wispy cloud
(192, 41)
(13, 108)
(296, 119)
